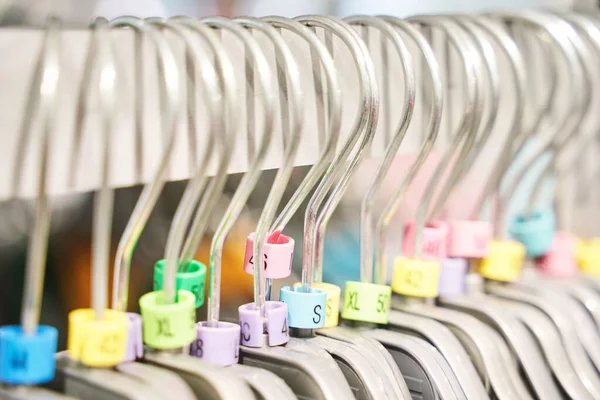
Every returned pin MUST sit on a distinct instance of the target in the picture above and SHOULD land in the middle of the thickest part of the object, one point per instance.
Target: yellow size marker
(97, 343)
(588, 256)
(504, 261)
(417, 278)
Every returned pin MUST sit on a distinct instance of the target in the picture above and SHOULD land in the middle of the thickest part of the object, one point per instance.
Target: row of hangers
(466, 316)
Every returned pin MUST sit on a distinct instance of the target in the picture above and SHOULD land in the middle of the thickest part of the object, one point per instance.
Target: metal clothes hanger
(366, 233)
(587, 261)
(166, 326)
(402, 354)
(159, 378)
(217, 342)
(415, 365)
(558, 268)
(459, 368)
(574, 349)
(98, 336)
(479, 340)
(587, 246)
(366, 225)
(454, 289)
(357, 355)
(590, 33)
(308, 365)
(357, 365)
(549, 337)
(368, 382)
(290, 362)
(569, 119)
(503, 271)
(28, 349)
(443, 339)
(431, 329)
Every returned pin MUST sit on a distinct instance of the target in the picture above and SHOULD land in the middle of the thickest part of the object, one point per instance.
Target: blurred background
(67, 283)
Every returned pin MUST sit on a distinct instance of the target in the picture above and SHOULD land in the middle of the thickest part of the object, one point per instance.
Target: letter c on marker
(245, 328)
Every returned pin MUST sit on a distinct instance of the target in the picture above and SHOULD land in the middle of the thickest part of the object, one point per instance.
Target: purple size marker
(135, 344)
(277, 323)
(217, 344)
(453, 273)
(251, 326)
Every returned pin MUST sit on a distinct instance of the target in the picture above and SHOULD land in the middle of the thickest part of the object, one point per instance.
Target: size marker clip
(193, 279)
(219, 344)
(417, 278)
(560, 260)
(278, 256)
(468, 239)
(367, 302)
(135, 342)
(588, 256)
(98, 343)
(253, 326)
(434, 243)
(27, 359)
(504, 261)
(168, 326)
(536, 232)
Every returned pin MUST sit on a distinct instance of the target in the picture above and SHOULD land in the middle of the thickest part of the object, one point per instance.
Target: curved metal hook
(577, 120)
(42, 95)
(319, 55)
(292, 113)
(366, 219)
(101, 48)
(562, 48)
(171, 86)
(435, 117)
(227, 82)
(585, 48)
(341, 168)
(468, 126)
(334, 116)
(486, 124)
(254, 169)
(591, 31)
(516, 133)
(215, 113)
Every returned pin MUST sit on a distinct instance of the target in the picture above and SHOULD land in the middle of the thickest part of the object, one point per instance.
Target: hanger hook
(172, 88)
(255, 59)
(592, 33)
(466, 131)
(388, 33)
(433, 126)
(100, 69)
(584, 49)
(343, 165)
(214, 107)
(516, 131)
(585, 72)
(486, 124)
(334, 116)
(43, 95)
(292, 113)
(562, 47)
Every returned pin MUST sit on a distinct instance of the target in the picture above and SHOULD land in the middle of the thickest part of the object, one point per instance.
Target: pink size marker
(435, 238)
(278, 255)
(559, 261)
